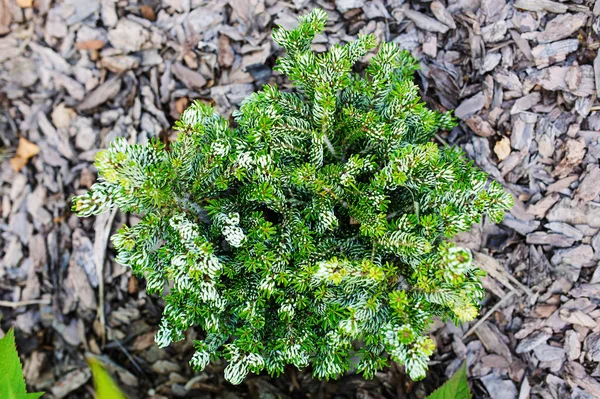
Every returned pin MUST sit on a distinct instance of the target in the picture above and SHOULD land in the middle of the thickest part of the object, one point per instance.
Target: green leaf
(106, 388)
(457, 387)
(12, 383)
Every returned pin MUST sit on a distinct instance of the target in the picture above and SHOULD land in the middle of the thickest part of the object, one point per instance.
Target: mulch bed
(523, 76)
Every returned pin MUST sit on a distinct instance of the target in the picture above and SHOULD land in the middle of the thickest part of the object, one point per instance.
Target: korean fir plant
(316, 231)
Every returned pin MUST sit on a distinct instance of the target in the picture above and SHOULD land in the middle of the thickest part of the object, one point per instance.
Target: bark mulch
(523, 76)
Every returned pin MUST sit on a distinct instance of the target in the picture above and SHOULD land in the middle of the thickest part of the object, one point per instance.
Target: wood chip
(5, 17)
(120, 63)
(541, 5)
(522, 44)
(525, 103)
(534, 340)
(572, 345)
(555, 78)
(551, 239)
(551, 53)
(586, 291)
(346, 5)
(79, 288)
(576, 376)
(549, 353)
(574, 152)
(561, 27)
(470, 106)
(499, 388)
(191, 79)
(442, 15)
(226, 56)
(100, 95)
(375, 9)
(577, 317)
(70, 382)
(565, 229)
(424, 22)
(491, 338)
(578, 256)
(589, 188)
(522, 130)
(25, 3)
(494, 33)
(591, 346)
(148, 12)
(566, 211)
(480, 126)
(509, 80)
(540, 208)
(90, 45)
(597, 73)
(128, 36)
(561, 184)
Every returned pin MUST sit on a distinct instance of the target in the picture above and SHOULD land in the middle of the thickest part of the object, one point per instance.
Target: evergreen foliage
(313, 233)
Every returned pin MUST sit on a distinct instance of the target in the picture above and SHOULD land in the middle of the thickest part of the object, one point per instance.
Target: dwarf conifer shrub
(313, 233)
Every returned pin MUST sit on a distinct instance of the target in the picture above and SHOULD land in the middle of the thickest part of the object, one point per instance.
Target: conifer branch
(316, 230)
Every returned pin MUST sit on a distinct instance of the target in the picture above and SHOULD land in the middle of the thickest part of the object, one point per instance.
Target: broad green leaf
(457, 387)
(12, 383)
(106, 388)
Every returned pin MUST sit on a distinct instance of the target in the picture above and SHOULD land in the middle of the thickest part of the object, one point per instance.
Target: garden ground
(522, 76)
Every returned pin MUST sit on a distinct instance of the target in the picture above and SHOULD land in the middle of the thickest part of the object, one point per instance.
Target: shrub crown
(313, 233)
